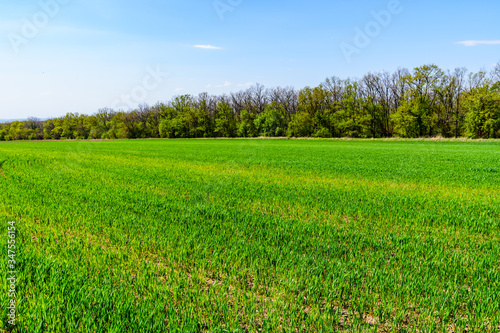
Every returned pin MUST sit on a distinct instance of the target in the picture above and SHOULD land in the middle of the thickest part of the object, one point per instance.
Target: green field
(253, 235)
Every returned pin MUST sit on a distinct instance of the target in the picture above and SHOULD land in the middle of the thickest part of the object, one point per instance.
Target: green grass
(253, 235)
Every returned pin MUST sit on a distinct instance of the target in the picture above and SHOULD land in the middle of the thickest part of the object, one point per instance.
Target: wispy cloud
(207, 47)
(479, 42)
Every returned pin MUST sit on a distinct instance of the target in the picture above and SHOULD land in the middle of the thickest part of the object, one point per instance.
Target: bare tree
(33, 123)
(334, 86)
(204, 100)
(377, 88)
(476, 80)
(495, 74)
(287, 97)
(238, 101)
(459, 76)
(258, 96)
(399, 85)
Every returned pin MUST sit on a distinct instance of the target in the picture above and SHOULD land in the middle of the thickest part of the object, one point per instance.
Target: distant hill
(11, 120)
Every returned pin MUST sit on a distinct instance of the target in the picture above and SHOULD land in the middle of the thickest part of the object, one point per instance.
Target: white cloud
(179, 90)
(207, 47)
(479, 42)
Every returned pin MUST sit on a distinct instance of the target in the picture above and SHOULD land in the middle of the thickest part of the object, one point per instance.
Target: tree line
(424, 102)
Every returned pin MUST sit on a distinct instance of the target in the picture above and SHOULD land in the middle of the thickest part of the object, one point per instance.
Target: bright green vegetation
(426, 102)
(236, 235)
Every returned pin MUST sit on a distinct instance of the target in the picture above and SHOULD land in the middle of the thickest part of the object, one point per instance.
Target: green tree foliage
(425, 102)
(416, 117)
(99, 124)
(4, 132)
(184, 119)
(246, 125)
(413, 118)
(225, 121)
(316, 114)
(16, 131)
(352, 118)
(272, 122)
(169, 127)
(302, 125)
(483, 112)
(373, 119)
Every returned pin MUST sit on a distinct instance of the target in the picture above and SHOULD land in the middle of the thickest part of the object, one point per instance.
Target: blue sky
(85, 55)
